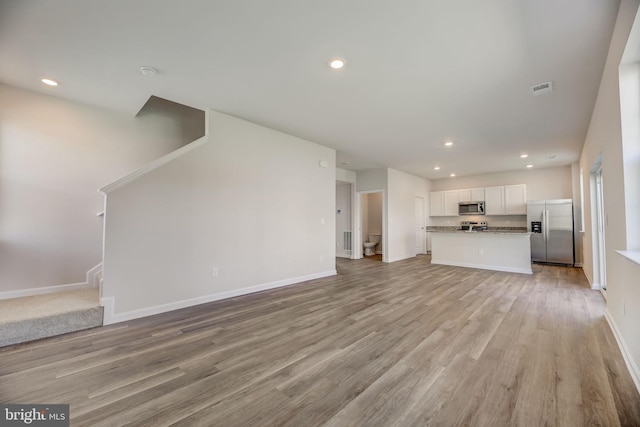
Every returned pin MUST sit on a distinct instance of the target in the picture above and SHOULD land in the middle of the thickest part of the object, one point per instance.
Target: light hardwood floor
(401, 344)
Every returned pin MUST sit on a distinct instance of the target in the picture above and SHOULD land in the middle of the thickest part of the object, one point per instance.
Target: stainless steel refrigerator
(550, 223)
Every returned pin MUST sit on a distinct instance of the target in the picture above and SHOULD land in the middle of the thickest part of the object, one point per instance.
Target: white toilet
(370, 246)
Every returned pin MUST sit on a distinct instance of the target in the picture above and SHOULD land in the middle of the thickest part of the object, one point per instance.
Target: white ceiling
(418, 73)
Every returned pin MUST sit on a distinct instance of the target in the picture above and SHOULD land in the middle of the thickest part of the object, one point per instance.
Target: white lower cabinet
(490, 251)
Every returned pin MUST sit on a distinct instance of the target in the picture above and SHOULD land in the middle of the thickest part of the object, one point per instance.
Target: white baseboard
(594, 285)
(628, 360)
(343, 255)
(110, 317)
(43, 290)
(93, 280)
(485, 267)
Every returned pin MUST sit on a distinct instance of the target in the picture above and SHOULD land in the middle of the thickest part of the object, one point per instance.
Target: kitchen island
(500, 250)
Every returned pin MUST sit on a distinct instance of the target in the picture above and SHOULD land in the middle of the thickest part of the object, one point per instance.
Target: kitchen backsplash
(492, 220)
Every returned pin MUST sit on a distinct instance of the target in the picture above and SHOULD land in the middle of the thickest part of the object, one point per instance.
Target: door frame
(357, 237)
(598, 222)
(423, 224)
(599, 236)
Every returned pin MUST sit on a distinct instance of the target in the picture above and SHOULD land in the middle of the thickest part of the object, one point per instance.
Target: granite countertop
(490, 230)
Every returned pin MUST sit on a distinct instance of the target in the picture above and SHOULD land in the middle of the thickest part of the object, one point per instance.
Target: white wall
(372, 179)
(345, 176)
(54, 156)
(402, 191)
(252, 202)
(604, 138)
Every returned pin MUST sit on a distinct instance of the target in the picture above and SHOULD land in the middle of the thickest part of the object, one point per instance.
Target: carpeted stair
(31, 318)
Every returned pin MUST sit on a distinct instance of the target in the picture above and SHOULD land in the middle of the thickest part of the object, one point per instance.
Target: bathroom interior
(371, 223)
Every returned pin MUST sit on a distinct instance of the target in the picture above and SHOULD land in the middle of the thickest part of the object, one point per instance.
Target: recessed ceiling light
(551, 157)
(337, 63)
(529, 166)
(452, 175)
(448, 143)
(49, 82)
(524, 156)
(437, 168)
(345, 163)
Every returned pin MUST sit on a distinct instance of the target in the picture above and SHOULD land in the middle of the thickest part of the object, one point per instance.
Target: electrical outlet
(214, 272)
(321, 257)
(480, 251)
(624, 308)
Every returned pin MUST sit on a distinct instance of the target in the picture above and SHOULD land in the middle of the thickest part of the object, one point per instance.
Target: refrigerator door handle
(545, 224)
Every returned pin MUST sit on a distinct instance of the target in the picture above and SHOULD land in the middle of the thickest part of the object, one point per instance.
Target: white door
(421, 235)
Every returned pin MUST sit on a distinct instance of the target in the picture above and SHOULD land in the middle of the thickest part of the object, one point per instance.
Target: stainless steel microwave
(471, 208)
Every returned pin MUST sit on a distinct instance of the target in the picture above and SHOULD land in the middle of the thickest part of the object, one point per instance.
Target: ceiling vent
(542, 88)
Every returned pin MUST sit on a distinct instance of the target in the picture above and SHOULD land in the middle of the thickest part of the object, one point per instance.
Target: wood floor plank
(400, 344)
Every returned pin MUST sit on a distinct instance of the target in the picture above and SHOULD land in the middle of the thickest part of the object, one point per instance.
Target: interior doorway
(344, 220)
(372, 233)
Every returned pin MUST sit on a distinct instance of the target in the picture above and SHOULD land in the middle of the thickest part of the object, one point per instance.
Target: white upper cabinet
(471, 195)
(443, 203)
(494, 200)
(477, 194)
(515, 199)
(436, 203)
(506, 200)
(465, 196)
(451, 199)
(501, 200)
